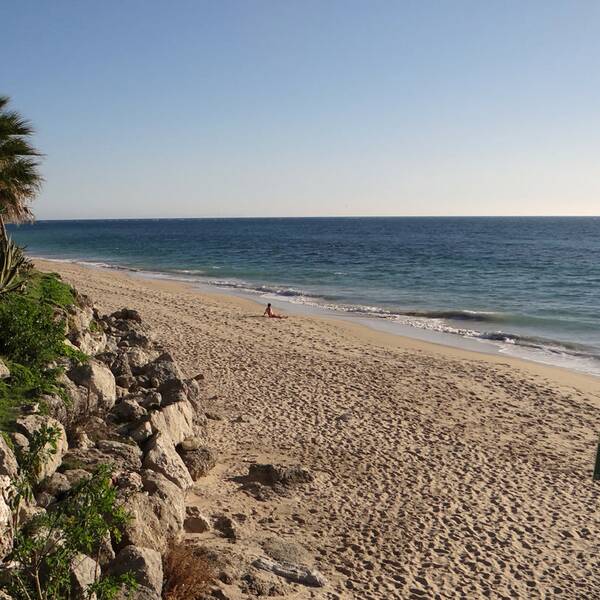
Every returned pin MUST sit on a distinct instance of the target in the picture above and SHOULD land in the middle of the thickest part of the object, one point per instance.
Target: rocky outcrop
(130, 408)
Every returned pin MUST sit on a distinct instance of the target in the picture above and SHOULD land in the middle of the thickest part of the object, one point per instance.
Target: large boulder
(6, 531)
(162, 457)
(8, 462)
(30, 425)
(162, 369)
(198, 460)
(175, 420)
(144, 564)
(157, 513)
(98, 380)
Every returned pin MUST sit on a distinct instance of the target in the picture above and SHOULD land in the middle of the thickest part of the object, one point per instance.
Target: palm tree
(20, 180)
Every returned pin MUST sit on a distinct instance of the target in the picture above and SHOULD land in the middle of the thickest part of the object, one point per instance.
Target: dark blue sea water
(527, 284)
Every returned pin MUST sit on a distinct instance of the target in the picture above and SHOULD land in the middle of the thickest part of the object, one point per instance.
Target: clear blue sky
(192, 108)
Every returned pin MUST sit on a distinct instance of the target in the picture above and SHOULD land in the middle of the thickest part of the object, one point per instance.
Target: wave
(440, 321)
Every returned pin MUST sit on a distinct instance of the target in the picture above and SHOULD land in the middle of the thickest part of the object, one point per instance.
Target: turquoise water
(526, 284)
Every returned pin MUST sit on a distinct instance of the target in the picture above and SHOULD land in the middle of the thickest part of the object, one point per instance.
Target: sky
(148, 109)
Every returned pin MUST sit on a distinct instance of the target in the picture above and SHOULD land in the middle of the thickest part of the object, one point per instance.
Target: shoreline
(435, 469)
(364, 330)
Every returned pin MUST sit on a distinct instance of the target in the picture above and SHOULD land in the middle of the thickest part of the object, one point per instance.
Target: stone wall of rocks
(132, 408)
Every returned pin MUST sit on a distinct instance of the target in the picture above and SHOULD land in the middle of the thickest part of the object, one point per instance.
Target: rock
(90, 342)
(4, 371)
(163, 368)
(6, 530)
(129, 481)
(144, 564)
(269, 474)
(97, 378)
(227, 526)
(138, 358)
(162, 457)
(152, 400)
(81, 402)
(142, 432)
(254, 585)
(286, 551)
(120, 365)
(56, 485)
(44, 499)
(75, 476)
(80, 439)
(122, 456)
(29, 426)
(199, 461)
(29, 511)
(83, 571)
(195, 521)
(79, 318)
(291, 572)
(55, 407)
(173, 391)
(127, 314)
(128, 410)
(175, 420)
(8, 462)
(157, 513)
(19, 441)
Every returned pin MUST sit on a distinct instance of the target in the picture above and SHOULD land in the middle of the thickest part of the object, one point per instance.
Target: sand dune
(439, 473)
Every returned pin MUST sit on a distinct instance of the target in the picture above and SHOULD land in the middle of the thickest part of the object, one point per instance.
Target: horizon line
(221, 218)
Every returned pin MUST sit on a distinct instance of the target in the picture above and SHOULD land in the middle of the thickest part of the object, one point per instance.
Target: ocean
(527, 287)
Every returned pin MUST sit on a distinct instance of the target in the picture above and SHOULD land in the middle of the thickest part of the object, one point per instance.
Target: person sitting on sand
(269, 313)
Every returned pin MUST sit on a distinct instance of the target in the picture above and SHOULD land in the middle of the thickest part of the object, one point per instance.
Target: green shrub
(29, 331)
(46, 547)
(49, 289)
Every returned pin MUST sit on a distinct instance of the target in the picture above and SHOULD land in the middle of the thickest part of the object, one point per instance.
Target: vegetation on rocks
(32, 342)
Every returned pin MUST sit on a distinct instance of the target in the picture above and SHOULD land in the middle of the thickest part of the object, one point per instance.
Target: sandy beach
(440, 473)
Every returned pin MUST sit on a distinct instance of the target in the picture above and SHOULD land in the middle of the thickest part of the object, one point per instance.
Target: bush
(187, 572)
(30, 332)
(47, 546)
(32, 335)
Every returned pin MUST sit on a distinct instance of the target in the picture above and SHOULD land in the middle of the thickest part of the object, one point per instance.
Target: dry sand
(440, 473)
